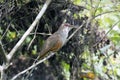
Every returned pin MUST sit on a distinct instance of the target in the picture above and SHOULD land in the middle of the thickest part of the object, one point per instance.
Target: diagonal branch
(15, 48)
(32, 66)
(79, 27)
(2, 51)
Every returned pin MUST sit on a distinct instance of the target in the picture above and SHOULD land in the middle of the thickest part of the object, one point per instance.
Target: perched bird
(56, 40)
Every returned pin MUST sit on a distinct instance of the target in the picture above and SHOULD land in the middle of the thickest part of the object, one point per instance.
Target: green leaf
(99, 10)
(34, 51)
(66, 68)
(11, 35)
(28, 39)
(115, 39)
(77, 2)
(85, 66)
(108, 21)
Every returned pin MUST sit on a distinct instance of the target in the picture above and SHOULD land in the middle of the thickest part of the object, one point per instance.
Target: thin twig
(33, 67)
(15, 48)
(2, 51)
(105, 13)
(6, 30)
(46, 34)
(33, 38)
(28, 49)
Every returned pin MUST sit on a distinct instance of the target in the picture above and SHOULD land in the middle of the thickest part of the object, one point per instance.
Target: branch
(15, 48)
(2, 51)
(32, 66)
(105, 13)
(75, 32)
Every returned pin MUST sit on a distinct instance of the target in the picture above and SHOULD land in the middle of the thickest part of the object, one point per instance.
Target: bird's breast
(63, 36)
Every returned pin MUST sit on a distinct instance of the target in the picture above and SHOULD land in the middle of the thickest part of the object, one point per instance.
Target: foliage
(106, 13)
(93, 50)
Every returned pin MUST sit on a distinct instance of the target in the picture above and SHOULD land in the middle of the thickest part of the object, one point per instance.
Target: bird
(56, 40)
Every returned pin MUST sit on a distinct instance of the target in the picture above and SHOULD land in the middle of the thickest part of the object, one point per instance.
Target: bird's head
(66, 26)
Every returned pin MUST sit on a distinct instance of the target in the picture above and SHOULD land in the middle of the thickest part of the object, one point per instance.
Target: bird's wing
(53, 43)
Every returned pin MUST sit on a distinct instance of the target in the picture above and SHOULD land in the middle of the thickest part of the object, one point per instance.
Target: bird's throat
(64, 34)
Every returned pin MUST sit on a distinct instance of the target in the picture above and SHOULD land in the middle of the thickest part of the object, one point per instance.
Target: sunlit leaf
(11, 35)
(99, 10)
(66, 68)
(77, 2)
(34, 51)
